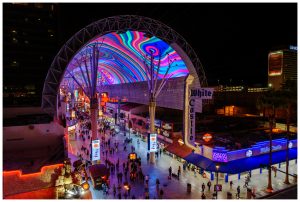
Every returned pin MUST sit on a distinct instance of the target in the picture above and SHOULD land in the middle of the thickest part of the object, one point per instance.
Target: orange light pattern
(21, 175)
(207, 137)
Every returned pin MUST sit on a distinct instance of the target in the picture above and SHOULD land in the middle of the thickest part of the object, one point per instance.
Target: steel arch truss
(104, 26)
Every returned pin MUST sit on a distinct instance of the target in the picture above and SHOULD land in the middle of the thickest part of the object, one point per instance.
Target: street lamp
(217, 168)
(128, 124)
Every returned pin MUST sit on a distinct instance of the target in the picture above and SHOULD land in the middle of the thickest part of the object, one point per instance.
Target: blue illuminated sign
(293, 48)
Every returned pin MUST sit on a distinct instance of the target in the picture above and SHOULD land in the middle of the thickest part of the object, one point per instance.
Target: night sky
(232, 40)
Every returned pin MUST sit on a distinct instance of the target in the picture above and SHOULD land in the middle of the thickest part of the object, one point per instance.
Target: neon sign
(203, 93)
(221, 157)
(293, 48)
(267, 149)
(249, 153)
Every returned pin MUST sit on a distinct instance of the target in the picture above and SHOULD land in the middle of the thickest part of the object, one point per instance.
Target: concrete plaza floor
(177, 189)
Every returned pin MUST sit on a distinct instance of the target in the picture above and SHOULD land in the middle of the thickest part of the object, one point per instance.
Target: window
(14, 64)
(14, 40)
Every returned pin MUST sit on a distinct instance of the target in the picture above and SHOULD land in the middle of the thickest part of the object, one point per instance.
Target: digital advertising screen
(152, 142)
(95, 150)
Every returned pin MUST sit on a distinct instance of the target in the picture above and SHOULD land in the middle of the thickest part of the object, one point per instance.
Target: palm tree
(269, 99)
(289, 98)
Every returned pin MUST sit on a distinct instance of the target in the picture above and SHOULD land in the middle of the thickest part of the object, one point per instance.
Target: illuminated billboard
(275, 63)
(152, 142)
(95, 150)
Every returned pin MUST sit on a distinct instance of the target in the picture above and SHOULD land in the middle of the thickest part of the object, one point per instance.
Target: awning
(179, 150)
(198, 160)
(241, 165)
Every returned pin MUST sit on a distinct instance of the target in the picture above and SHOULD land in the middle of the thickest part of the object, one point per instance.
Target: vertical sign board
(95, 150)
(198, 93)
(152, 142)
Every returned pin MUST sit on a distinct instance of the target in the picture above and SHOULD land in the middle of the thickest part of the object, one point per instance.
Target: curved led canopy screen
(122, 58)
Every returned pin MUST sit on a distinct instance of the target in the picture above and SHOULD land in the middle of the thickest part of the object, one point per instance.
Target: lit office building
(282, 66)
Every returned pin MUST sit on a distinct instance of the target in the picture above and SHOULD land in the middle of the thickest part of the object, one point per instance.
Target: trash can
(229, 195)
(249, 193)
(188, 188)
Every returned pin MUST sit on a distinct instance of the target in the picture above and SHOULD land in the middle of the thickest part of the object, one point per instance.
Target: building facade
(282, 66)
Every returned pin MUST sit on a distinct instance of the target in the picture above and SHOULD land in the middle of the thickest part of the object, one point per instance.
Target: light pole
(217, 168)
(128, 125)
(152, 67)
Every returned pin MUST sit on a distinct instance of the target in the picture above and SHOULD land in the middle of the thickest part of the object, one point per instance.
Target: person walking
(125, 195)
(203, 196)
(147, 179)
(114, 190)
(179, 172)
(195, 172)
(203, 187)
(161, 193)
(170, 172)
(231, 183)
(121, 176)
(238, 189)
(157, 184)
(129, 189)
(208, 185)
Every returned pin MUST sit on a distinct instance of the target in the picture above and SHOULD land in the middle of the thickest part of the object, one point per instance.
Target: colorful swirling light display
(122, 57)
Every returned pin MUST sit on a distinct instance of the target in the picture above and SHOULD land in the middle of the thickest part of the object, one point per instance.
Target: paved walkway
(177, 189)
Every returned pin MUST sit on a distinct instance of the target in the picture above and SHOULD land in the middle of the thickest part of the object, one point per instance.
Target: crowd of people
(126, 171)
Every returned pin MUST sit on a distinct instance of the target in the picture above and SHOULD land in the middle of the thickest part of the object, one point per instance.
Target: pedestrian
(275, 171)
(119, 195)
(133, 197)
(161, 193)
(195, 172)
(147, 179)
(148, 156)
(118, 176)
(125, 195)
(121, 176)
(231, 183)
(203, 187)
(208, 185)
(146, 195)
(238, 189)
(112, 170)
(123, 166)
(203, 196)
(157, 184)
(114, 190)
(170, 172)
(129, 189)
(179, 171)
(125, 172)
(104, 188)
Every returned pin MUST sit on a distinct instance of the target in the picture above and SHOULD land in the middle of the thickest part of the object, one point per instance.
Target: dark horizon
(232, 40)
(233, 43)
